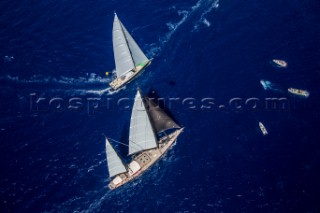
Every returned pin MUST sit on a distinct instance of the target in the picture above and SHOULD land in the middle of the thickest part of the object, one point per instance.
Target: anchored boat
(129, 58)
(299, 92)
(280, 63)
(148, 121)
(263, 129)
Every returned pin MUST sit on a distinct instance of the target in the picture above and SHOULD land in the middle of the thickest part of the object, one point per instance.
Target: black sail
(160, 120)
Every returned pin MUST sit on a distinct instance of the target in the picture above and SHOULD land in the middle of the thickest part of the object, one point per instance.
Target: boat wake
(98, 91)
(202, 6)
(203, 20)
(91, 84)
(91, 78)
(267, 85)
(108, 90)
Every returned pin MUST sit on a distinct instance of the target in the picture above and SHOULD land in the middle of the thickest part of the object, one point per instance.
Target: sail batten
(115, 164)
(141, 135)
(122, 55)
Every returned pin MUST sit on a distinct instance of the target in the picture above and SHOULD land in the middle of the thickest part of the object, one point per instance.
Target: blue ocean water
(54, 160)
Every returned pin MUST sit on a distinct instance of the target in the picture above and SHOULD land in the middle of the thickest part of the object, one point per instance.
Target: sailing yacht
(148, 121)
(129, 58)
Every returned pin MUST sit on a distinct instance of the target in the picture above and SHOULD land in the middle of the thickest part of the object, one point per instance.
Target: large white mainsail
(122, 56)
(141, 136)
(138, 56)
(115, 165)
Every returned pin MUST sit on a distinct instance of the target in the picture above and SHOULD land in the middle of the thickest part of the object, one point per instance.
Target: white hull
(119, 82)
(280, 63)
(145, 160)
(263, 129)
(299, 92)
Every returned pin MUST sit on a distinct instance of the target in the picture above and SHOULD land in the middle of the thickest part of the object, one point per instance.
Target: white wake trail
(203, 20)
(155, 49)
(108, 90)
(268, 85)
(62, 84)
(92, 78)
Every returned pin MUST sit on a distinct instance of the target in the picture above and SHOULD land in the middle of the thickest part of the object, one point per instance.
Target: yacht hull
(119, 82)
(146, 159)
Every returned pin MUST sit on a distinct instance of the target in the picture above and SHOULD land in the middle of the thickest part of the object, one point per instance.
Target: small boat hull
(280, 63)
(119, 82)
(263, 129)
(299, 92)
(145, 160)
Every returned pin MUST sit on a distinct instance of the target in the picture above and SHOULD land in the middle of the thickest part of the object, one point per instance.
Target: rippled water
(54, 160)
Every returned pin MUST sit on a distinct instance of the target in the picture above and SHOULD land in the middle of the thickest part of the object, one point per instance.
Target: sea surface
(209, 57)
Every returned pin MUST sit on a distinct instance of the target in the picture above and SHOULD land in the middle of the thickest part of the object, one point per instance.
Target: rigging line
(136, 144)
(125, 37)
(118, 142)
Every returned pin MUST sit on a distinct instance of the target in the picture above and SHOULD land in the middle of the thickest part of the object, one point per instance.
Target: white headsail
(115, 165)
(138, 56)
(141, 136)
(122, 56)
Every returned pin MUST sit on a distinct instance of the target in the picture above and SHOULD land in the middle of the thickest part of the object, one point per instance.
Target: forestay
(138, 56)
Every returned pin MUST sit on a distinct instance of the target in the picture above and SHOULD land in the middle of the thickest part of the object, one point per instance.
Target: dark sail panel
(160, 120)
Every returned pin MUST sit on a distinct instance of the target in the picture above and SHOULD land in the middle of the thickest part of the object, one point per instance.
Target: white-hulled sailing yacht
(129, 58)
(147, 121)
